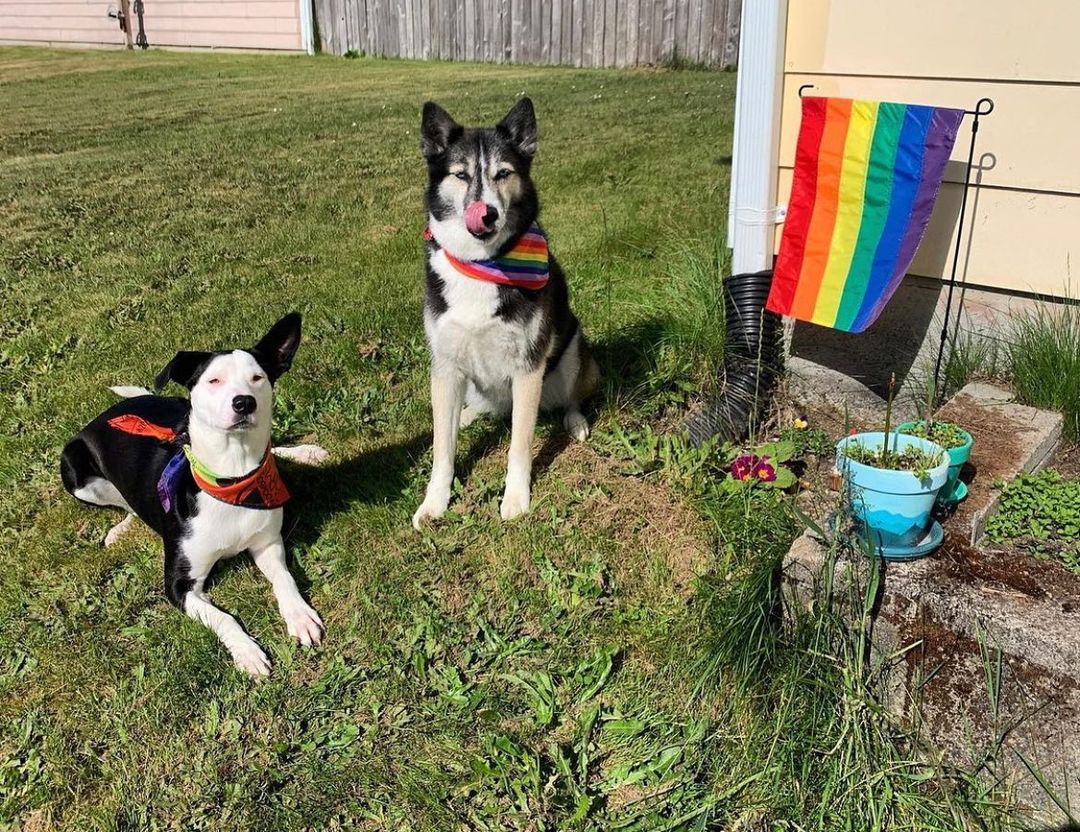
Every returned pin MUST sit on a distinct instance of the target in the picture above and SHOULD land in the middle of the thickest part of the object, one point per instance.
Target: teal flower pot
(894, 506)
(953, 491)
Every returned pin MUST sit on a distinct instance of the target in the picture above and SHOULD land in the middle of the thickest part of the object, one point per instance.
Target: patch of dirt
(660, 542)
(1008, 570)
(817, 497)
(820, 415)
(961, 678)
(1035, 707)
(38, 820)
(643, 515)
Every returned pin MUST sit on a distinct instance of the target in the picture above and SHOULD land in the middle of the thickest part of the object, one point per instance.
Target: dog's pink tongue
(474, 217)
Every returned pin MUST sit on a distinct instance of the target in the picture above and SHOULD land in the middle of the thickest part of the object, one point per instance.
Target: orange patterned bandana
(263, 488)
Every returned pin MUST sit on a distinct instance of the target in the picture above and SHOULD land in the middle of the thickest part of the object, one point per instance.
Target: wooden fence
(573, 32)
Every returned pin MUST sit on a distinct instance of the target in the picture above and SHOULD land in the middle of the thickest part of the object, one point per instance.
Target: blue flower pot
(953, 491)
(894, 505)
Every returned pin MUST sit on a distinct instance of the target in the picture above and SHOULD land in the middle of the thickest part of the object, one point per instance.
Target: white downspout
(752, 213)
(307, 27)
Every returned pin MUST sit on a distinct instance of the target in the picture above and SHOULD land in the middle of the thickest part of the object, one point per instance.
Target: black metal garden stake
(976, 114)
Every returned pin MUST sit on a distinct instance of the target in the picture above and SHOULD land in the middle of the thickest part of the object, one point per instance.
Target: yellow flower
(800, 423)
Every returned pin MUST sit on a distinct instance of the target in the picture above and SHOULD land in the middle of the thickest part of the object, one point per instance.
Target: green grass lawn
(562, 672)
(161, 201)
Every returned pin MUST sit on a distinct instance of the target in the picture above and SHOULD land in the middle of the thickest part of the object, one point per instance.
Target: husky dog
(200, 473)
(496, 311)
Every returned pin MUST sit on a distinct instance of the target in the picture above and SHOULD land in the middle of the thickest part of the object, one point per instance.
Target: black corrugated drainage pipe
(752, 362)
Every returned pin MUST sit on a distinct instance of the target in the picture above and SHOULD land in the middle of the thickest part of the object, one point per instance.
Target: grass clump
(1044, 360)
(1042, 510)
(813, 748)
(972, 356)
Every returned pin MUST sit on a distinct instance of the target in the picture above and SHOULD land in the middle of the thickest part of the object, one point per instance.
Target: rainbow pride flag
(867, 174)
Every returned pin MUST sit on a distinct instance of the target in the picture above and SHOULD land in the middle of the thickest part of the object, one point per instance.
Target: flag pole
(983, 107)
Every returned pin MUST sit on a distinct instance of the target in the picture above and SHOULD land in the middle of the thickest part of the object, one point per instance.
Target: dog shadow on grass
(389, 473)
(628, 361)
(320, 493)
(375, 477)
(385, 475)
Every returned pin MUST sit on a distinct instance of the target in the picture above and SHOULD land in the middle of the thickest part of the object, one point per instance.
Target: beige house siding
(1024, 218)
(236, 24)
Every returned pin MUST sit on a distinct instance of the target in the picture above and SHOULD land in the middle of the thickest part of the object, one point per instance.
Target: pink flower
(743, 467)
(764, 471)
(752, 467)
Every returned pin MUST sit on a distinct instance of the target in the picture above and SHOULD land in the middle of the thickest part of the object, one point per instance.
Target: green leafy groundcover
(1044, 508)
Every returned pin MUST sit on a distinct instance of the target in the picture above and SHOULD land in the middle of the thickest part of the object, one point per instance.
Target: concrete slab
(950, 616)
(816, 384)
(1010, 439)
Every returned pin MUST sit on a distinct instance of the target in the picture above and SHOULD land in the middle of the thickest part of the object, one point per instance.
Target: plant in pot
(954, 439)
(891, 482)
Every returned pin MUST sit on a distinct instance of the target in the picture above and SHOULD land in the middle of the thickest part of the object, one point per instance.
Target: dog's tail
(129, 392)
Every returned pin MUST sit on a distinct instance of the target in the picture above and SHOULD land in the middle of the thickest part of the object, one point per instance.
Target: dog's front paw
(576, 425)
(304, 454)
(515, 502)
(303, 623)
(250, 658)
(433, 507)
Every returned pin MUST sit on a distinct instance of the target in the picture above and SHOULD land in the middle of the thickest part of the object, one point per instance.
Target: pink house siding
(236, 24)
(76, 22)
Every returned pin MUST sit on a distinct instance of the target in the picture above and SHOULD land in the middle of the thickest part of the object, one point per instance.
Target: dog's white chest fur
(469, 336)
(220, 530)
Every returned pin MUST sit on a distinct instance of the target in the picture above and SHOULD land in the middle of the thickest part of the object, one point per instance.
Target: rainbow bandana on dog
(263, 488)
(525, 265)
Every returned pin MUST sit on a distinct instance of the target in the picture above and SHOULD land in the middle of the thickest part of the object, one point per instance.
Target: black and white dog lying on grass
(497, 315)
(201, 474)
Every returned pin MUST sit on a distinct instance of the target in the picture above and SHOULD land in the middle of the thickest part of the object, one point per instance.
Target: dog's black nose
(243, 404)
(491, 215)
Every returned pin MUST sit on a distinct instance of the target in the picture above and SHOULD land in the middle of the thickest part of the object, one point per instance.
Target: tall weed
(807, 709)
(1044, 360)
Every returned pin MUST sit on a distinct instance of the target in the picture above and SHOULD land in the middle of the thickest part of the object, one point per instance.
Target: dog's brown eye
(214, 381)
(502, 174)
(257, 378)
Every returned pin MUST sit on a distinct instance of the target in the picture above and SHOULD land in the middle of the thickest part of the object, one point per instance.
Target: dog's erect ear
(437, 130)
(276, 349)
(520, 127)
(185, 368)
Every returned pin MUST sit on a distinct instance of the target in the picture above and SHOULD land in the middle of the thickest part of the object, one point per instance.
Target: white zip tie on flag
(758, 216)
